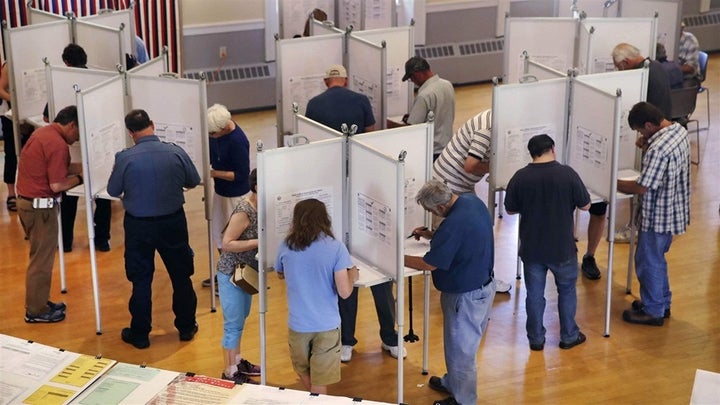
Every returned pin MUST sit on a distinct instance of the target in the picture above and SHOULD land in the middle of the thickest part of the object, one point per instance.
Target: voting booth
(582, 43)
(374, 60)
(589, 129)
(367, 183)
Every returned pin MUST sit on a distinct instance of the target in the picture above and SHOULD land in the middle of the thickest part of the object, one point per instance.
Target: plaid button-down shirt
(666, 175)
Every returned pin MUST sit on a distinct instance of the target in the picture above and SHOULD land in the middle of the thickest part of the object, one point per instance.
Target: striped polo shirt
(472, 139)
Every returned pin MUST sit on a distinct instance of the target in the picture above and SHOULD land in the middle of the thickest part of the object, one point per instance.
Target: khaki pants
(41, 228)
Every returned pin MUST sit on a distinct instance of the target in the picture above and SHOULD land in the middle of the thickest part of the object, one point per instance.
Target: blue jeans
(565, 274)
(465, 318)
(236, 307)
(652, 272)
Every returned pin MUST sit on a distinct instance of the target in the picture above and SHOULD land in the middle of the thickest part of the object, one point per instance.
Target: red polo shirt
(43, 160)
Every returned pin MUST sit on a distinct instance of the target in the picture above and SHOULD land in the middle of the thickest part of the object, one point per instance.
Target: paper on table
(628, 174)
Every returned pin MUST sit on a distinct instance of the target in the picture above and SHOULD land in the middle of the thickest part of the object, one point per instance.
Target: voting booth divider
(368, 183)
(176, 106)
(32, 46)
(375, 62)
(582, 43)
(587, 120)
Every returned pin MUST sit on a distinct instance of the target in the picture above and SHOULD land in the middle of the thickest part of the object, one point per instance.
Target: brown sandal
(11, 204)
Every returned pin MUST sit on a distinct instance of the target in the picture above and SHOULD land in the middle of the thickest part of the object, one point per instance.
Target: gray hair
(624, 51)
(432, 194)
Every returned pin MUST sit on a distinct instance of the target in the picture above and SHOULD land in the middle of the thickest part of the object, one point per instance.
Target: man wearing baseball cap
(436, 95)
(339, 105)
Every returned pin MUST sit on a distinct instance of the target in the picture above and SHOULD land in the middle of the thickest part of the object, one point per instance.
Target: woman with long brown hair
(317, 268)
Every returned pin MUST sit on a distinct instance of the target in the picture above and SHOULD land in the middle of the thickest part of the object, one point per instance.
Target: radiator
(706, 27)
(465, 62)
(240, 88)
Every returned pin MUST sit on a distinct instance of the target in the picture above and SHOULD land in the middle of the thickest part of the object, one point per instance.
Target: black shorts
(598, 208)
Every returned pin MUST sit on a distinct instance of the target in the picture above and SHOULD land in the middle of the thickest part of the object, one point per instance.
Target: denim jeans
(652, 272)
(236, 307)
(465, 318)
(565, 274)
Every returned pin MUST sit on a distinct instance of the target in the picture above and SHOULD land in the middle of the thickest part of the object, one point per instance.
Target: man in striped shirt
(465, 160)
(664, 185)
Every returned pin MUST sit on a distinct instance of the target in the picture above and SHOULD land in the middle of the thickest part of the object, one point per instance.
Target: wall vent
(234, 73)
(702, 19)
(474, 48)
(460, 49)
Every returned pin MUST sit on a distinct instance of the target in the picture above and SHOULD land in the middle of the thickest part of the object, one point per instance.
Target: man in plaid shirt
(664, 185)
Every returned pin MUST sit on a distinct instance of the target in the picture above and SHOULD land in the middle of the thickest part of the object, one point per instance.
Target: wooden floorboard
(635, 364)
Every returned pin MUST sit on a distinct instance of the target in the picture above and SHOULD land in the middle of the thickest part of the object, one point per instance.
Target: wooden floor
(635, 364)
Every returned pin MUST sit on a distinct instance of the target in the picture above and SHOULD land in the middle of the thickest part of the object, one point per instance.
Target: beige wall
(203, 12)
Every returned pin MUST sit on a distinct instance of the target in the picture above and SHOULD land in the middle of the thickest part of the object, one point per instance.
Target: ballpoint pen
(424, 228)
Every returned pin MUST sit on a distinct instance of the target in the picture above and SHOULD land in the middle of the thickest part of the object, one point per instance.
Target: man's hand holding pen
(421, 232)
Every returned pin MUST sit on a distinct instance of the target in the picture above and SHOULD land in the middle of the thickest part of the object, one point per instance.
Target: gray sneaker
(46, 317)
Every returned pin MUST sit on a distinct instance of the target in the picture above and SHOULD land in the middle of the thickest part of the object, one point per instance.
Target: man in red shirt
(45, 171)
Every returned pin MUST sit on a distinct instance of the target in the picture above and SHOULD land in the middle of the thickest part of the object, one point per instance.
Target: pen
(424, 228)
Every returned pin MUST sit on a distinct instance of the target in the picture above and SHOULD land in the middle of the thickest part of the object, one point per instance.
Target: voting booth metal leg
(262, 304)
(213, 307)
(400, 284)
(61, 254)
(426, 323)
(519, 265)
(93, 259)
(501, 193)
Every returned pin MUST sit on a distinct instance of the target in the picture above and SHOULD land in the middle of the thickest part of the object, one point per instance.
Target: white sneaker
(623, 236)
(346, 353)
(394, 350)
(502, 287)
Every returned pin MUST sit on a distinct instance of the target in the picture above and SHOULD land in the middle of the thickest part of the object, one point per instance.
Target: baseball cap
(415, 64)
(336, 71)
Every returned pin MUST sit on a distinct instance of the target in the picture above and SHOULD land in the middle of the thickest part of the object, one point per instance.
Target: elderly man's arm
(418, 263)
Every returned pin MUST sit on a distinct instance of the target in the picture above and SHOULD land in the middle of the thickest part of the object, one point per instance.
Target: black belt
(155, 218)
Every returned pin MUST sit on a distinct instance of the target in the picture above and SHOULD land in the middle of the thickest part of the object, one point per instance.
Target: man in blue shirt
(150, 178)
(461, 259)
(338, 105)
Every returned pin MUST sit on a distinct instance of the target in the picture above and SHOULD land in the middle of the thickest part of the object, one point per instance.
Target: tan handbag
(246, 278)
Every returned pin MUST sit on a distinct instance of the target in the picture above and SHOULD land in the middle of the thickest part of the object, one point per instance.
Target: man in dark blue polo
(150, 177)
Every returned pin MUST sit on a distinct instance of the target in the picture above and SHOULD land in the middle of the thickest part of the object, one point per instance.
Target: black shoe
(641, 317)
(239, 378)
(102, 246)
(537, 346)
(188, 335)
(128, 337)
(67, 248)
(446, 401)
(206, 282)
(50, 316)
(436, 384)
(638, 306)
(589, 268)
(56, 306)
(580, 340)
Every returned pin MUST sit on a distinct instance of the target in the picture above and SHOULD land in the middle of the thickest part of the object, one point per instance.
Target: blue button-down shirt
(150, 176)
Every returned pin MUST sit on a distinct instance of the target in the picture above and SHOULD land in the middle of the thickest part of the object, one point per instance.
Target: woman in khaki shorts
(317, 268)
